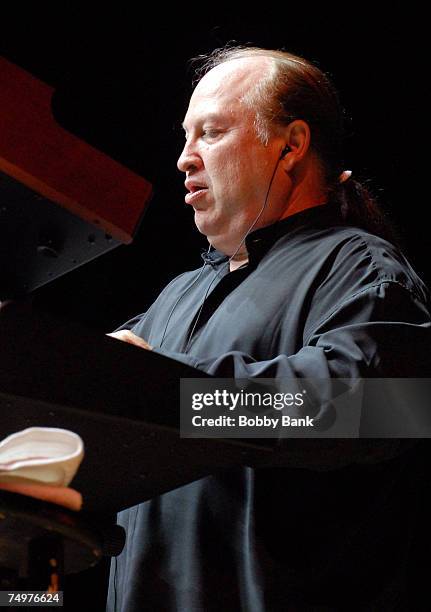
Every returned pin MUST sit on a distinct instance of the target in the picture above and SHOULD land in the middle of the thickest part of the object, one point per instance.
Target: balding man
(299, 281)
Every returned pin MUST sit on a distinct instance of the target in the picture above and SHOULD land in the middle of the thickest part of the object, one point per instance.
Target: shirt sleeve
(381, 331)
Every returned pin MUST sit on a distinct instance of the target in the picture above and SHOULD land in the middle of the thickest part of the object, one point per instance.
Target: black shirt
(317, 299)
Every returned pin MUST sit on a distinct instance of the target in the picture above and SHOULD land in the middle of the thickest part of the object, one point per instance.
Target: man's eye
(210, 133)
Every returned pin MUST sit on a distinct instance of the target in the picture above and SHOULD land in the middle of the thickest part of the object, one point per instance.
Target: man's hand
(127, 336)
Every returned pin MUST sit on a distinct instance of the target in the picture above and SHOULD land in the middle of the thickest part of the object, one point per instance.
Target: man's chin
(204, 225)
(215, 240)
(216, 236)
(219, 243)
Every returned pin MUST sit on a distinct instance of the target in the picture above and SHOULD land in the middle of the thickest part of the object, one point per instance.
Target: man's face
(228, 169)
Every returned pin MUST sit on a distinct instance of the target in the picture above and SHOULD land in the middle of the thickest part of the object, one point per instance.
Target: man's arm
(382, 331)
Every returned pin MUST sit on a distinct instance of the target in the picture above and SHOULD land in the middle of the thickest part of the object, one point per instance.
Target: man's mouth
(195, 193)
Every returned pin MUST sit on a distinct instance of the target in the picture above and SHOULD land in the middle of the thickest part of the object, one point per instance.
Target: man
(298, 282)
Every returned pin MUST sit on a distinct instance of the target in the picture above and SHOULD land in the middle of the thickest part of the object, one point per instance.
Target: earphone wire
(259, 214)
(180, 298)
(232, 256)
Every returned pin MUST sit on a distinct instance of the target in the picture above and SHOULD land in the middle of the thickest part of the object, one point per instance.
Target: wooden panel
(39, 153)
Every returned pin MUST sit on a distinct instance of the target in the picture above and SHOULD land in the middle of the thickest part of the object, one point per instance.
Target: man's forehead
(238, 73)
(220, 90)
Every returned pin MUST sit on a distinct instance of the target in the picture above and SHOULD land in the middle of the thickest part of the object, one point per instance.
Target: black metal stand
(41, 542)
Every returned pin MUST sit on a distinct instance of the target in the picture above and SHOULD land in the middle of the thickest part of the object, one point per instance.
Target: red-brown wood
(42, 155)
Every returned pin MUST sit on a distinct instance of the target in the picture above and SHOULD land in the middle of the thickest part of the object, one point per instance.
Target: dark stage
(122, 83)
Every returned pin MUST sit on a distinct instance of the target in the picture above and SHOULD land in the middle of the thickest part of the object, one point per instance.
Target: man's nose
(189, 158)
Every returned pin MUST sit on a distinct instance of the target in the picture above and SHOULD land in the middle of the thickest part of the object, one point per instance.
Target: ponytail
(359, 208)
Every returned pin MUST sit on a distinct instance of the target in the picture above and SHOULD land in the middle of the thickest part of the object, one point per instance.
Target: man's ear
(297, 138)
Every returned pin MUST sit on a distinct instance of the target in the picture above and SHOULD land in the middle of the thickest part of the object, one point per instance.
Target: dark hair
(294, 88)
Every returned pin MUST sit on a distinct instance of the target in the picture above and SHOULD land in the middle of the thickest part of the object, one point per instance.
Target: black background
(122, 83)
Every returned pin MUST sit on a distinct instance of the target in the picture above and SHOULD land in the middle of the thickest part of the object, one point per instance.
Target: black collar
(261, 240)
